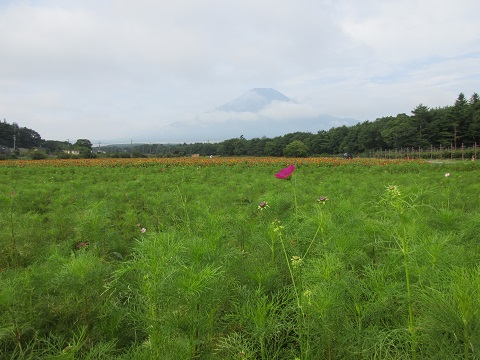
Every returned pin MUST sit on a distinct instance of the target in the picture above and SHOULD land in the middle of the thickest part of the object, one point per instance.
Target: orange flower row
(202, 161)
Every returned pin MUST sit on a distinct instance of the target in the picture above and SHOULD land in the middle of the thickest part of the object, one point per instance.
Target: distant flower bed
(204, 161)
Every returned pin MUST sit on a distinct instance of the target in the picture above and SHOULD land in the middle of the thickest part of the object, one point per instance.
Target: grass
(384, 266)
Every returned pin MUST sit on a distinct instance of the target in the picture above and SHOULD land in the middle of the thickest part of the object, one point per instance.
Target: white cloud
(220, 117)
(289, 110)
(400, 30)
(277, 111)
(107, 68)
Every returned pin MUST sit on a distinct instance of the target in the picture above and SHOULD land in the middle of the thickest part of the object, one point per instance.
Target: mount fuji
(258, 112)
(254, 100)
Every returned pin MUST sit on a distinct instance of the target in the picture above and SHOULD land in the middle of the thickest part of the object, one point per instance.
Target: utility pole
(14, 140)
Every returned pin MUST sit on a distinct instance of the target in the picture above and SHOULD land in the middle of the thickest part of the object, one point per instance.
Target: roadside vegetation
(199, 258)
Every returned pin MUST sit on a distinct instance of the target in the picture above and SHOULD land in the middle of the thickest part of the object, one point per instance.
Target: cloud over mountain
(257, 113)
(254, 100)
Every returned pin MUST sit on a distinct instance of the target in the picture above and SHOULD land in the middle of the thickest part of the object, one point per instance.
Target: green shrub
(38, 155)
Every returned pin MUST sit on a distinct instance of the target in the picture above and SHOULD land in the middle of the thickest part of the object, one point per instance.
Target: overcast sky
(109, 69)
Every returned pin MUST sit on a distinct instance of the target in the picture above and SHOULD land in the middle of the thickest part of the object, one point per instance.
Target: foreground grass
(175, 260)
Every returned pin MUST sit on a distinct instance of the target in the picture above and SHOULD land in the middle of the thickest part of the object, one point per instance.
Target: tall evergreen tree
(422, 119)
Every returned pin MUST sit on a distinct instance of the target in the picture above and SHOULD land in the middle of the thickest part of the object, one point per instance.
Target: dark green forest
(12, 135)
(453, 127)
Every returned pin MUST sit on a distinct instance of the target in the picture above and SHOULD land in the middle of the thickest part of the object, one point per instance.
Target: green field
(184, 260)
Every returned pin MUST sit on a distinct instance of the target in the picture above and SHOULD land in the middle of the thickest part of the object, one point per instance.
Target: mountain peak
(254, 100)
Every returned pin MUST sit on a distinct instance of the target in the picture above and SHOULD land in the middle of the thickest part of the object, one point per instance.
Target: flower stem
(311, 242)
(290, 271)
(294, 184)
(411, 324)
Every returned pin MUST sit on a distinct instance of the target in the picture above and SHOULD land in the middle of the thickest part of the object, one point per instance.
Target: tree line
(14, 136)
(446, 127)
(452, 127)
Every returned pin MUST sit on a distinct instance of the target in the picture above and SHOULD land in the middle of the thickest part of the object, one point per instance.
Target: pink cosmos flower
(285, 173)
